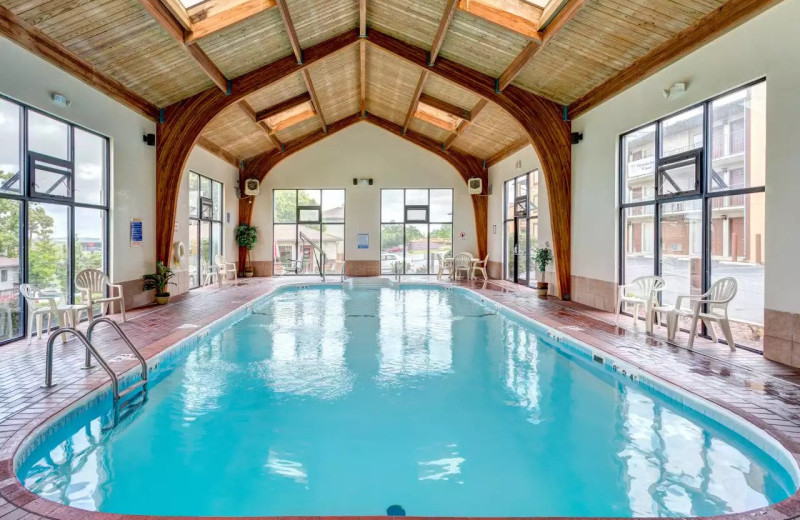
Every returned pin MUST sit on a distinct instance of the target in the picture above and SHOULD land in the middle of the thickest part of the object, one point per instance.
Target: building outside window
(308, 231)
(54, 200)
(693, 203)
(416, 229)
(521, 227)
(205, 227)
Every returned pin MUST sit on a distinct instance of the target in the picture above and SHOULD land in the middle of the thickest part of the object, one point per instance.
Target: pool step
(133, 388)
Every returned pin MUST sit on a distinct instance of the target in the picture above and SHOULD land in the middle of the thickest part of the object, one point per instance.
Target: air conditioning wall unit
(252, 187)
(475, 186)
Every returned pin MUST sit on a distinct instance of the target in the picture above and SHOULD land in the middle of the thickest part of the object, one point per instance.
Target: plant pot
(248, 272)
(162, 299)
(541, 289)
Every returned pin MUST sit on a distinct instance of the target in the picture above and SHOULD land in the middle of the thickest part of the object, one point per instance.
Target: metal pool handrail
(48, 374)
(91, 350)
(122, 335)
(321, 259)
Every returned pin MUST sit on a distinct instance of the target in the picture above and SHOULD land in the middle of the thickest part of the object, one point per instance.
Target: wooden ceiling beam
(314, 99)
(729, 15)
(567, 12)
(362, 18)
(292, 120)
(220, 152)
(435, 121)
(444, 106)
(251, 114)
(38, 43)
(175, 7)
(362, 75)
(290, 32)
(549, 12)
(283, 106)
(206, 21)
(415, 100)
(479, 106)
(441, 31)
(165, 19)
(522, 19)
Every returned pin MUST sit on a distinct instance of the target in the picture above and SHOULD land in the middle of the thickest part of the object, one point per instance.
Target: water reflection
(673, 467)
(415, 335)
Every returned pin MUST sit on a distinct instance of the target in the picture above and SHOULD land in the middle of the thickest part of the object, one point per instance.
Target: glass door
(520, 228)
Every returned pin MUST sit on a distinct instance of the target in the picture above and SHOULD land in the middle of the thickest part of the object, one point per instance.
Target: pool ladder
(91, 350)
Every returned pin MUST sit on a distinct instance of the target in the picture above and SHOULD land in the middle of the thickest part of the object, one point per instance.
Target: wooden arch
(542, 120)
(467, 166)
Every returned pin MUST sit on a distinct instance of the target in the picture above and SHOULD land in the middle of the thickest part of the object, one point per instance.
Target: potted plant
(159, 281)
(246, 237)
(542, 257)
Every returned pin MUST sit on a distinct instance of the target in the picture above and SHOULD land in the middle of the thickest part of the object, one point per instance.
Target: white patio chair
(96, 288)
(480, 267)
(716, 300)
(445, 265)
(40, 305)
(223, 268)
(642, 291)
(462, 263)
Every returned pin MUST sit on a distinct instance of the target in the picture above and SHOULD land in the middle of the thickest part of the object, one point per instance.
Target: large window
(205, 226)
(53, 207)
(521, 227)
(307, 223)
(692, 202)
(416, 230)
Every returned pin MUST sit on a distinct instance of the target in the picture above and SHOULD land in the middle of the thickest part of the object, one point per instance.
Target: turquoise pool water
(333, 402)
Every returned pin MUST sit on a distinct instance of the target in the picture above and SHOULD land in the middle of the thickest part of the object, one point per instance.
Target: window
(53, 207)
(205, 226)
(521, 227)
(308, 231)
(416, 230)
(693, 204)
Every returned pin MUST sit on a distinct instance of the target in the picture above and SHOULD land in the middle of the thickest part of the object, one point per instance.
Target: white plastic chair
(223, 268)
(480, 267)
(641, 291)
(96, 288)
(716, 300)
(40, 305)
(445, 265)
(462, 263)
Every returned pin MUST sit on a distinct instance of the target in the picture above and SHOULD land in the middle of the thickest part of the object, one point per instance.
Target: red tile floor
(766, 393)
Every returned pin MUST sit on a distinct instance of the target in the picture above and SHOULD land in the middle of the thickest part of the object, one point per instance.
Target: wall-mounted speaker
(150, 139)
(577, 137)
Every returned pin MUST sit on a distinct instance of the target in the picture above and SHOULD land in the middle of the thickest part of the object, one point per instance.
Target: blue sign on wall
(136, 232)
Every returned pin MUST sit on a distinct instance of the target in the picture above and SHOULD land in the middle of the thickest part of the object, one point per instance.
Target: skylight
(190, 3)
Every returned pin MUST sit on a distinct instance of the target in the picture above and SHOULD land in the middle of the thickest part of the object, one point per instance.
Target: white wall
(767, 46)
(209, 165)
(29, 79)
(364, 150)
(498, 174)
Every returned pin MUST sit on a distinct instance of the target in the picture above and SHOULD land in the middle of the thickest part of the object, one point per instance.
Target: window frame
(211, 221)
(531, 215)
(704, 157)
(28, 195)
(297, 222)
(427, 222)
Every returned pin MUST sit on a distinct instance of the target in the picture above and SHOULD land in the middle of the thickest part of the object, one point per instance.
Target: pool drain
(395, 510)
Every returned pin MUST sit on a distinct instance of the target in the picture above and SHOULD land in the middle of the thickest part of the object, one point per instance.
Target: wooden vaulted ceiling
(154, 53)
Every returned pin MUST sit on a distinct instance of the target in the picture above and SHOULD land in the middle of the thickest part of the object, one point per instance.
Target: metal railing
(320, 260)
(91, 350)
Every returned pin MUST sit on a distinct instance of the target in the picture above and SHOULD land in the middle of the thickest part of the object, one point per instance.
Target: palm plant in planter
(246, 237)
(542, 257)
(159, 281)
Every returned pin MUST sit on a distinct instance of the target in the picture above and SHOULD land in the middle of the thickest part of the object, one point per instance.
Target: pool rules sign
(136, 232)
